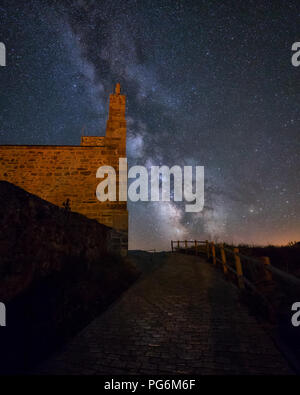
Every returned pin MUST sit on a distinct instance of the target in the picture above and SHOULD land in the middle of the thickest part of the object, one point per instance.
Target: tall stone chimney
(116, 123)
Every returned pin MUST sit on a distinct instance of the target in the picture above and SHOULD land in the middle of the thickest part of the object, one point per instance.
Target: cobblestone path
(184, 317)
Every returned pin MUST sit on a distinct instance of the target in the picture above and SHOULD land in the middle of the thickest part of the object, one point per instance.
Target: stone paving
(183, 318)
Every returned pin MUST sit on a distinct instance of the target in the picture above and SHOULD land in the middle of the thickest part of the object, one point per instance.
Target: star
(203, 85)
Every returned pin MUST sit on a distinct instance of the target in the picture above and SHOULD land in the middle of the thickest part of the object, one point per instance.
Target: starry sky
(208, 83)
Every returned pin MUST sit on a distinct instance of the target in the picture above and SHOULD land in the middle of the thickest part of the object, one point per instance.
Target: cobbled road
(182, 318)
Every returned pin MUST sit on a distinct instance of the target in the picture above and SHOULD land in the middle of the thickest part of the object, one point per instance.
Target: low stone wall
(37, 238)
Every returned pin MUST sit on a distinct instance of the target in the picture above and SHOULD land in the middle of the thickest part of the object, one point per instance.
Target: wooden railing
(186, 245)
(247, 270)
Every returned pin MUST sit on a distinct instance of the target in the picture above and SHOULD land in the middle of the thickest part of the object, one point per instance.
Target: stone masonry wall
(57, 173)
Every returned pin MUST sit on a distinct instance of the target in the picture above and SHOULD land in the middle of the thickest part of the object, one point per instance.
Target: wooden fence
(193, 246)
(247, 270)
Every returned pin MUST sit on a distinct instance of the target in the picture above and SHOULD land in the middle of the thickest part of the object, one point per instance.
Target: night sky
(208, 83)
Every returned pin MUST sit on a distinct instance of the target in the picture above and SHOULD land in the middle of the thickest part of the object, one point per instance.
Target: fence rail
(258, 269)
(197, 245)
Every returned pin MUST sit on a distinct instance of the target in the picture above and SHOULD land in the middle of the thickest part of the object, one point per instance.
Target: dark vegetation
(57, 272)
(280, 295)
(286, 258)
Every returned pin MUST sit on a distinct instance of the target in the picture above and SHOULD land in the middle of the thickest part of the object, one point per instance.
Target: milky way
(207, 83)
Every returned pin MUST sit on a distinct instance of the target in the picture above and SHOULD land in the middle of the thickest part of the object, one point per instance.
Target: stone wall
(58, 173)
(58, 270)
(38, 238)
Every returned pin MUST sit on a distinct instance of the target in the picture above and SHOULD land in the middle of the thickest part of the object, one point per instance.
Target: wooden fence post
(196, 248)
(238, 267)
(223, 257)
(207, 249)
(213, 250)
(185, 245)
(172, 245)
(178, 244)
(266, 261)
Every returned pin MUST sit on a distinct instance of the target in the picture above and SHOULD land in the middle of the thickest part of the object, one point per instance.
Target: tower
(116, 123)
(115, 135)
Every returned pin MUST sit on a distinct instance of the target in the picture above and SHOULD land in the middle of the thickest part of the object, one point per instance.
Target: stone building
(57, 173)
